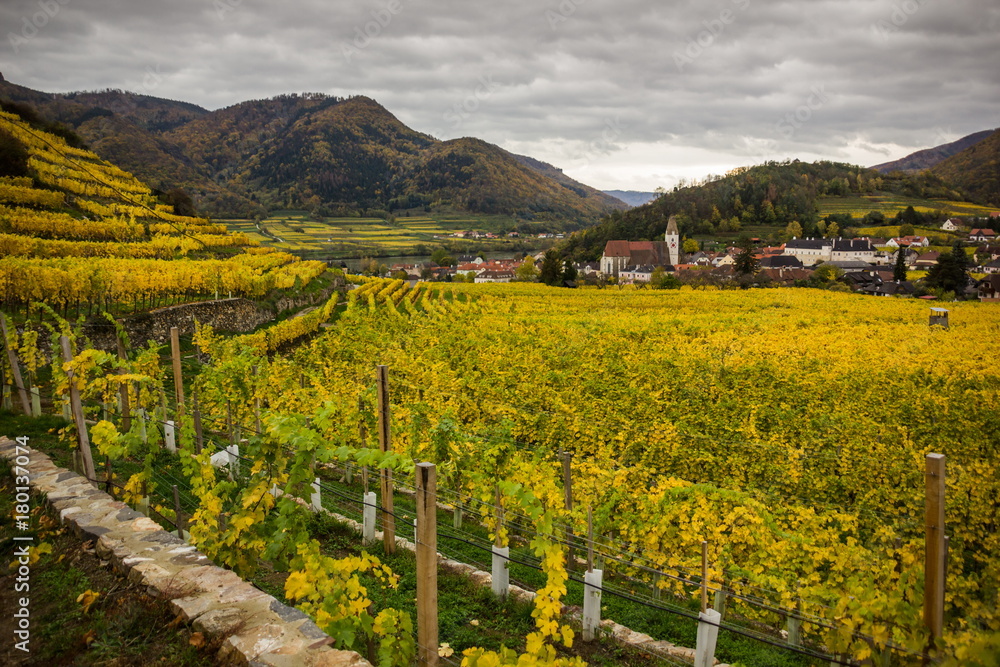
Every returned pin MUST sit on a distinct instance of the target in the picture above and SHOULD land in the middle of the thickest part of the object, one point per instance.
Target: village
(862, 264)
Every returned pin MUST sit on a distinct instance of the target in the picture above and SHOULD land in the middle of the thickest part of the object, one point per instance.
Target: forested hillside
(929, 157)
(770, 195)
(326, 154)
(975, 171)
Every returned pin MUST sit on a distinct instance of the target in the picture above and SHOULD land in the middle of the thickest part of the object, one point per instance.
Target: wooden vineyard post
(256, 404)
(15, 368)
(123, 388)
(77, 408)
(590, 538)
(175, 353)
(708, 620)
(178, 522)
(427, 592)
(199, 436)
(385, 444)
(934, 546)
(567, 465)
(704, 575)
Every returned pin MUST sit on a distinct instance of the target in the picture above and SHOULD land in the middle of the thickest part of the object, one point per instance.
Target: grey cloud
(895, 72)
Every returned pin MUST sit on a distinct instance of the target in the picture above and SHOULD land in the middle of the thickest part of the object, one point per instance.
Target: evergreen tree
(569, 272)
(951, 273)
(899, 269)
(551, 269)
(746, 263)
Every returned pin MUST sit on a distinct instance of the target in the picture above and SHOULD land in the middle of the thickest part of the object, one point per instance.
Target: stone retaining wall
(235, 315)
(259, 629)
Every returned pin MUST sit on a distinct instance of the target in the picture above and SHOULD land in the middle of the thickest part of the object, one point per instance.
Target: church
(620, 255)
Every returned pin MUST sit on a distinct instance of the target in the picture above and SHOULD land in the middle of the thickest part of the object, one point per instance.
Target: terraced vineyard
(890, 204)
(356, 237)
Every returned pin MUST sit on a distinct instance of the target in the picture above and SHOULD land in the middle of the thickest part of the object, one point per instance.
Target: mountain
(331, 155)
(126, 129)
(975, 171)
(929, 157)
(632, 197)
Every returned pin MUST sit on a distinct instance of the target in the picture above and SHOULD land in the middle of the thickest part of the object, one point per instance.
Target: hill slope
(929, 157)
(311, 151)
(764, 198)
(975, 170)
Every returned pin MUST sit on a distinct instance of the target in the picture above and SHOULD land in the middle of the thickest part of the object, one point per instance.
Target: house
(587, 268)
(927, 260)
(816, 251)
(724, 259)
(852, 250)
(780, 262)
(785, 275)
(809, 251)
(850, 265)
(700, 259)
(495, 276)
(889, 288)
(992, 268)
(637, 274)
(992, 250)
(985, 235)
(952, 225)
(909, 242)
(910, 257)
(988, 289)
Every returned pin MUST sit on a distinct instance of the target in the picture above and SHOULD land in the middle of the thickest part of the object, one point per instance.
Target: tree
(663, 280)
(551, 268)
(832, 230)
(951, 273)
(746, 263)
(569, 273)
(899, 269)
(13, 156)
(442, 258)
(793, 230)
(906, 229)
(527, 271)
(690, 246)
(828, 272)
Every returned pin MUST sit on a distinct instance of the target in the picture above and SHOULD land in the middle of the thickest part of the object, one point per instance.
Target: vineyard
(765, 446)
(80, 234)
(889, 204)
(787, 429)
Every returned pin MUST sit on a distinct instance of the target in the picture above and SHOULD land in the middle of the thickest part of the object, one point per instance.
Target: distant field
(889, 204)
(295, 231)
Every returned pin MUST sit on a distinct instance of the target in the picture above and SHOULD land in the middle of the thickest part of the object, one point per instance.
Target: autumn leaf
(87, 599)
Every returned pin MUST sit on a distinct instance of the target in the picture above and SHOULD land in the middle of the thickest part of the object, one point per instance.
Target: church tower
(673, 242)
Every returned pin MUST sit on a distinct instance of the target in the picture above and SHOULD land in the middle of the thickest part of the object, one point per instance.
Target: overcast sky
(619, 94)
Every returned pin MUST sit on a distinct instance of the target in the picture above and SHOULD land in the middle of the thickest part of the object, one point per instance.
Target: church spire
(672, 238)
